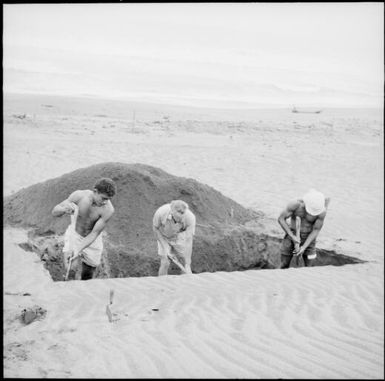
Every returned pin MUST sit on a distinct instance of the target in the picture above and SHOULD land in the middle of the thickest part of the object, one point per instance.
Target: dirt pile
(228, 236)
(222, 242)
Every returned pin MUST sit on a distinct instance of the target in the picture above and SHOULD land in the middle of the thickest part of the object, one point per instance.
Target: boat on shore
(295, 110)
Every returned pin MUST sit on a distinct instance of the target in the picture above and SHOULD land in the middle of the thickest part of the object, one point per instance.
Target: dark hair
(106, 186)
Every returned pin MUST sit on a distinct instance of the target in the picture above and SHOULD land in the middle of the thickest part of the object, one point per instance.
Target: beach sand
(320, 322)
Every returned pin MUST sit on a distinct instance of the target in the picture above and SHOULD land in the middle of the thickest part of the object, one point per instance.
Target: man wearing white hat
(311, 208)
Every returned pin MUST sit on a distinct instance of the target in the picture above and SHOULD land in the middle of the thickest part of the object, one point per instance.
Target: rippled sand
(323, 322)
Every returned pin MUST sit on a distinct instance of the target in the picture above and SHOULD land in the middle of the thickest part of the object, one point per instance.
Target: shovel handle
(297, 231)
(297, 226)
(68, 269)
(111, 296)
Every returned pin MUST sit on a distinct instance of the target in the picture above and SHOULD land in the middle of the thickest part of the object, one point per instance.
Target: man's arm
(189, 231)
(316, 227)
(156, 223)
(66, 207)
(187, 235)
(159, 235)
(97, 229)
(286, 213)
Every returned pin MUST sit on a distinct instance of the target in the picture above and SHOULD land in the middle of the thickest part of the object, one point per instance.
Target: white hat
(314, 202)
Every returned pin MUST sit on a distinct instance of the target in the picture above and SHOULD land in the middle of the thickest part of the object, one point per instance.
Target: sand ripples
(296, 323)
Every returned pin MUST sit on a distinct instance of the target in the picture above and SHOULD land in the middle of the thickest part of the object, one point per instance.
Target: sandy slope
(324, 322)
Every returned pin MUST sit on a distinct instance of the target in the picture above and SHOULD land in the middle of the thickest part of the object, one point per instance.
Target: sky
(213, 54)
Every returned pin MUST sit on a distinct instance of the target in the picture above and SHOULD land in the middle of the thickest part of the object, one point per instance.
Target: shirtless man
(312, 211)
(174, 228)
(82, 238)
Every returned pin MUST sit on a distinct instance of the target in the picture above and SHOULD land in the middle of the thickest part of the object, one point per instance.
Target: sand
(320, 322)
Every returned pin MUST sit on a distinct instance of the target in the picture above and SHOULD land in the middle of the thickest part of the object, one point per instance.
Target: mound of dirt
(228, 236)
(130, 245)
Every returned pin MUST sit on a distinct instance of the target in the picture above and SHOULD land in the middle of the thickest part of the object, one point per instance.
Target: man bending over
(174, 228)
(82, 239)
(311, 208)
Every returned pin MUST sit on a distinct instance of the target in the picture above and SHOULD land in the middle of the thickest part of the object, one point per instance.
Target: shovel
(298, 236)
(109, 306)
(74, 217)
(68, 269)
(69, 266)
(175, 260)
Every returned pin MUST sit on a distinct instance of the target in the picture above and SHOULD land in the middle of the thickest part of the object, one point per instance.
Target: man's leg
(285, 261)
(164, 261)
(287, 248)
(184, 250)
(187, 266)
(187, 258)
(164, 265)
(87, 271)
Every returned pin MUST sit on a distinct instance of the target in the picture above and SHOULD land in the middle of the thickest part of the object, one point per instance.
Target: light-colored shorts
(172, 247)
(92, 254)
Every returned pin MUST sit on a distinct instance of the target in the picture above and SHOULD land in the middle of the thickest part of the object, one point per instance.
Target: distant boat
(305, 112)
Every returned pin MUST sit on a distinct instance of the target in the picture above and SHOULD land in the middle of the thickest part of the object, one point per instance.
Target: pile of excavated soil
(228, 236)
(222, 241)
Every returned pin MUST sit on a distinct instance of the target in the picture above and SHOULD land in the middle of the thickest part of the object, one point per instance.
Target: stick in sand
(109, 305)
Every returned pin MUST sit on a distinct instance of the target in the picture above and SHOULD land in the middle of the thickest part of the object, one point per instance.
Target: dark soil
(222, 242)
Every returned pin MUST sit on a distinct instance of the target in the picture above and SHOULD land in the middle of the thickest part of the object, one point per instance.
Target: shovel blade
(109, 313)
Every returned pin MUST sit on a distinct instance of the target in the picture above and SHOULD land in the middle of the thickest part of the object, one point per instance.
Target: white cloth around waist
(92, 254)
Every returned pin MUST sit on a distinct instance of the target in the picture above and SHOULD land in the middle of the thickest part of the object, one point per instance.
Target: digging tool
(68, 269)
(74, 217)
(109, 306)
(298, 236)
(205, 226)
(69, 266)
(175, 260)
